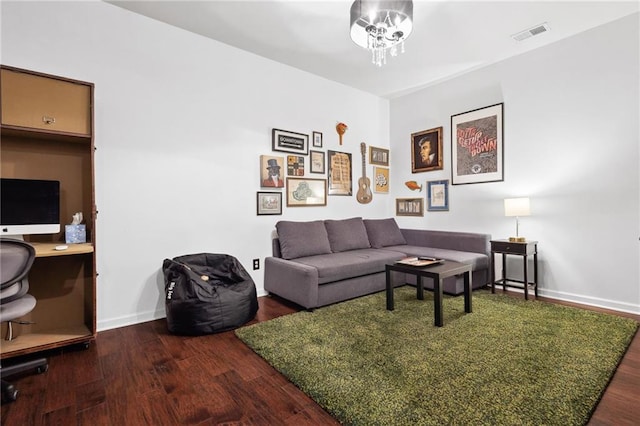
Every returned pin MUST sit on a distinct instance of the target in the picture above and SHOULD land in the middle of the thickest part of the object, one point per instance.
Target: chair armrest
(462, 241)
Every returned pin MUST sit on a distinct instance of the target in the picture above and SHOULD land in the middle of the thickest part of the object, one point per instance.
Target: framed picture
(340, 173)
(409, 207)
(269, 203)
(303, 192)
(438, 195)
(378, 156)
(381, 180)
(317, 139)
(286, 141)
(426, 150)
(295, 165)
(316, 162)
(477, 146)
(271, 171)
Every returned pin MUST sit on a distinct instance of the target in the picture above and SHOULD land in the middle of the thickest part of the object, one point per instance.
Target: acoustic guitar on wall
(364, 195)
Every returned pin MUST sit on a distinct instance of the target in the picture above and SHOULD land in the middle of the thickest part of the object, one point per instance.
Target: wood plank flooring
(142, 375)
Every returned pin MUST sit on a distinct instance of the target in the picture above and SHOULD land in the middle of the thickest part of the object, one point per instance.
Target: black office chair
(16, 258)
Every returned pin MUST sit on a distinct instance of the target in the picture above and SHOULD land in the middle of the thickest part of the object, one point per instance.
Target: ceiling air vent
(538, 29)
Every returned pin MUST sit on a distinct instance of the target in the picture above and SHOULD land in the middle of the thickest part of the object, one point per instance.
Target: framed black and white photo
(378, 156)
(286, 141)
(269, 203)
(438, 195)
(477, 146)
(409, 206)
(316, 162)
(317, 139)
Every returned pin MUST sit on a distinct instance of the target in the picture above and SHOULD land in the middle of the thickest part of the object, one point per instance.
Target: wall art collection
(290, 171)
(476, 156)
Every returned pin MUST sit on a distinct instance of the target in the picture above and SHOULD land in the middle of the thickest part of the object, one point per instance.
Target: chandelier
(381, 25)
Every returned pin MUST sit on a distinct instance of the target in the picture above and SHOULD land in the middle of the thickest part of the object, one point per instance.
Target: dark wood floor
(142, 375)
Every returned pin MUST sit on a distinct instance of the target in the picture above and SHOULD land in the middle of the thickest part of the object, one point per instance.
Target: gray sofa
(318, 263)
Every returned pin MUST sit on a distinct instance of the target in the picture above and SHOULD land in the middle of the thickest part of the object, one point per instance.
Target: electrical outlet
(256, 264)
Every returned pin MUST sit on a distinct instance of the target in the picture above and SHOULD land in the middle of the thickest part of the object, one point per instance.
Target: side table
(524, 249)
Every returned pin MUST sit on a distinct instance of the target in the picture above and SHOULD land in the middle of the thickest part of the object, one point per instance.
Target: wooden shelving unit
(46, 126)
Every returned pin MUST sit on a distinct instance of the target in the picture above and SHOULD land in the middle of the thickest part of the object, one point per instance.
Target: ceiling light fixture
(381, 25)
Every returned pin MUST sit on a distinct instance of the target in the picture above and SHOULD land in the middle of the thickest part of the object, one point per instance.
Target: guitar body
(364, 191)
(364, 194)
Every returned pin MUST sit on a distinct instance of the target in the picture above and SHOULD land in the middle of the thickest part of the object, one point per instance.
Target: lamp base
(517, 240)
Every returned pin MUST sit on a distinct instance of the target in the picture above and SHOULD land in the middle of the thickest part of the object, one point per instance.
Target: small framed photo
(477, 145)
(316, 161)
(340, 173)
(438, 195)
(304, 192)
(409, 207)
(295, 165)
(378, 156)
(269, 203)
(381, 180)
(286, 141)
(271, 169)
(426, 150)
(317, 139)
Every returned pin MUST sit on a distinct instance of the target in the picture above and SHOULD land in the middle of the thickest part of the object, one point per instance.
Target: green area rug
(509, 362)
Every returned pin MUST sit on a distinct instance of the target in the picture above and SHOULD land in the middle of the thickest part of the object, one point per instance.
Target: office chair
(16, 258)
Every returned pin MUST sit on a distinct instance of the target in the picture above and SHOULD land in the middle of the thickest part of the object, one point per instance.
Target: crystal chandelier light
(381, 25)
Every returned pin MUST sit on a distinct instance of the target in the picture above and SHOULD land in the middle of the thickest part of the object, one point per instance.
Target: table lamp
(517, 207)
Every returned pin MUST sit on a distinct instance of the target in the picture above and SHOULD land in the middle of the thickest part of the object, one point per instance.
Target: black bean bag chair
(207, 293)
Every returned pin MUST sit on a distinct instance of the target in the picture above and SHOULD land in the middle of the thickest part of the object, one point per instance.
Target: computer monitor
(29, 206)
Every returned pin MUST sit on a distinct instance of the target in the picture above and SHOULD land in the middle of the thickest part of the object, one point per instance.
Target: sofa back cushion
(347, 234)
(299, 239)
(384, 233)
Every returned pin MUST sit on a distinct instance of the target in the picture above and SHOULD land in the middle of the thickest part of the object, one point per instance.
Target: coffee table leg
(437, 301)
(389, 291)
(467, 292)
(420, 288)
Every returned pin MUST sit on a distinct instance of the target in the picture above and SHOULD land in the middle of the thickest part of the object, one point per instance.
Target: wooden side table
(524, 249)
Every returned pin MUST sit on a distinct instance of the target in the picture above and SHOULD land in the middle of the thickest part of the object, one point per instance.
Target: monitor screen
(29, 206)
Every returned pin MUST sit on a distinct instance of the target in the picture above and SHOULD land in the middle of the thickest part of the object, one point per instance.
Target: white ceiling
(449, 37)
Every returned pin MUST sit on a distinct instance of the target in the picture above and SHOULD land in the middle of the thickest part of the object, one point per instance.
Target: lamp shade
(516, 207)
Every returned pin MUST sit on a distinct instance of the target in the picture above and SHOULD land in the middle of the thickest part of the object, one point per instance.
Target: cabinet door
(49, 104)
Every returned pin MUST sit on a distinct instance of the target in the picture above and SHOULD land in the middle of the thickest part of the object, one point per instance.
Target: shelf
(50, 339)
(48, 249)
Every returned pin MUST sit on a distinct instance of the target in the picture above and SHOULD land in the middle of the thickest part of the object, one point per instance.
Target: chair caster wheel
(10, 393)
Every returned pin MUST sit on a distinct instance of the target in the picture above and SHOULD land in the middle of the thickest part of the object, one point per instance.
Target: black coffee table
(438, 273)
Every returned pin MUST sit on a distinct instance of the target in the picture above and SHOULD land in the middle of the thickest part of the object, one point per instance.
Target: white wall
(571, 143)
(180, 124)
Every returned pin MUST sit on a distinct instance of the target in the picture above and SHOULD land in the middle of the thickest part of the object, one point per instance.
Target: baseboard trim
(591, 301)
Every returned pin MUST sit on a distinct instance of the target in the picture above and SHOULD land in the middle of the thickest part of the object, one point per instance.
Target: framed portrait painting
(340, 173)
(269, 203)
(271, 171)
(438, 195)
(304, 192)
(426, 150)
(477, 145)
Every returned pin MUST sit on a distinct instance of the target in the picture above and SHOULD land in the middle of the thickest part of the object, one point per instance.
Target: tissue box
(75, 234)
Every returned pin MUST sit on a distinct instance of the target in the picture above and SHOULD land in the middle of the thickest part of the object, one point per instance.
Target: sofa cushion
(298, 239)
(350, 264)
(383, 232)
(347, 234)
(477, 260)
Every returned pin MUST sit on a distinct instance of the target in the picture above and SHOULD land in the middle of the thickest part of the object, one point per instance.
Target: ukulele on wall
(364, 185)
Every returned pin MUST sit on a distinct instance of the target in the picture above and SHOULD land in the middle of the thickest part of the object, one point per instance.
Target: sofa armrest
(291, 280)
(462, 241)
